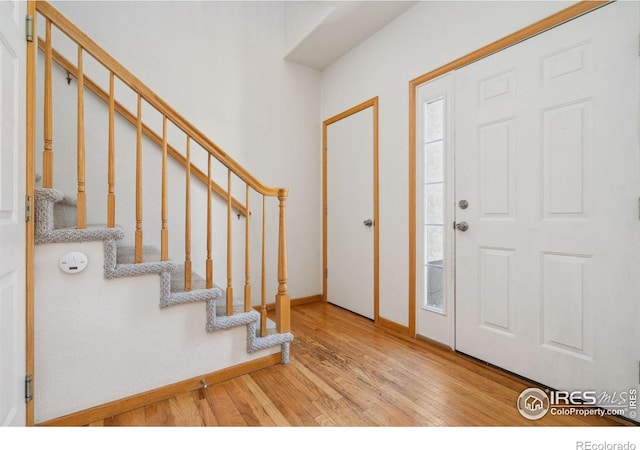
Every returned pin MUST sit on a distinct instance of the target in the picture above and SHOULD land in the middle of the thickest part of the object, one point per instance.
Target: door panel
(12, 229)
(350, 187)
(547, 155)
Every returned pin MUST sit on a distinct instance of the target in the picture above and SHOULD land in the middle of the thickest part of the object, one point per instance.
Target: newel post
(283, 302)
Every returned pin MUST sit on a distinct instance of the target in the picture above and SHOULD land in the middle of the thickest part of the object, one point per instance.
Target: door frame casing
(29, 224)
(371, 103)
(534, 29)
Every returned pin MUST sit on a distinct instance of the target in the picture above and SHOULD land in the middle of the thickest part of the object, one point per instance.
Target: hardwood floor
(345, 371)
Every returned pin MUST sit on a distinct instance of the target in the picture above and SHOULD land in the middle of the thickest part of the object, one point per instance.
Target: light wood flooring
(346, 371)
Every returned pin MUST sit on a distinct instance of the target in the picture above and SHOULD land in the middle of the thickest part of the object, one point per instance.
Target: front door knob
(368, 223)
(462, 226)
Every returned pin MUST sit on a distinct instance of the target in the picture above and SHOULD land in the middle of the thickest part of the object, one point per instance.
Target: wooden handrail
(132, 119)
(104, 58)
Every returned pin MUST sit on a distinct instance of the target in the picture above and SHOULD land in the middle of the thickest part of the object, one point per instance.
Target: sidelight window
(433, 204)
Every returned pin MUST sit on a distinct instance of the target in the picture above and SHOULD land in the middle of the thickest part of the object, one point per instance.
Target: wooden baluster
(187, 222)
(164, 231)
(111, 176)
(229, 259)
(263, 291)
(81, 197)
(47, 153)
(247, 265)
(283, 302)
(138, 245)
(209, 260)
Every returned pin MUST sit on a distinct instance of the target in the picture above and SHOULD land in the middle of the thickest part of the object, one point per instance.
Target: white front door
(548, 158)
(350, 238)
(12, 227)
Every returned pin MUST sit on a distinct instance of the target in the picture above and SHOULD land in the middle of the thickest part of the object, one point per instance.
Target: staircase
(55, 216)
(61, 218)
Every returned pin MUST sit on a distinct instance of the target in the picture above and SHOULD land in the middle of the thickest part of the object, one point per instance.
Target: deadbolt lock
(463, 204)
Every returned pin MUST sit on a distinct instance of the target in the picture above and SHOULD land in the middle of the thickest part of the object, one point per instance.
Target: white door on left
(12, 228)
(349, 205)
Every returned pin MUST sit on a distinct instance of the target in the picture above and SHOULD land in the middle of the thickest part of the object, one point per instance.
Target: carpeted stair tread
(65, 213)
(271, 328)
(51, 229)
(177, 280)
(126, 255)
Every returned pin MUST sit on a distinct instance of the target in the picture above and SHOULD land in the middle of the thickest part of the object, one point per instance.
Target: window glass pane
(434, 244)
(434, 208)
(434, 162)
(434, 118)
(434, 287)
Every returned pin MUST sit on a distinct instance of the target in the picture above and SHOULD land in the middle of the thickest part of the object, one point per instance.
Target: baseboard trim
(393, 326)
(100, 412)
(295, 302)
(305, 300)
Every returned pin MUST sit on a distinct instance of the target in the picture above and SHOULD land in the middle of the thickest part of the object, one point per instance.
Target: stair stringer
(251, 320)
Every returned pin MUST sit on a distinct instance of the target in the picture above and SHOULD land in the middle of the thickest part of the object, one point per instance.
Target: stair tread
(126, 255)
(177, 280)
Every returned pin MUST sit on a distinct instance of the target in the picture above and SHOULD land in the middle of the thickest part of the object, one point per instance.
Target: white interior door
(349, 205)
(12, 228)
(547, 155)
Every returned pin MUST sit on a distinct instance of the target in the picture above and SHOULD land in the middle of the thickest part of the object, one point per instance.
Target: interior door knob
(462, 226)
(368, 223)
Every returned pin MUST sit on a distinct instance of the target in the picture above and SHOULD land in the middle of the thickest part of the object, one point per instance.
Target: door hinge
(326, 209)
(28, 388)
(326, 273)
(28, 208)
(29, 28)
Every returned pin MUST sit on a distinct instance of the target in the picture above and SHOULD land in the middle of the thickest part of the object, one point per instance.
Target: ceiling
(339, 26)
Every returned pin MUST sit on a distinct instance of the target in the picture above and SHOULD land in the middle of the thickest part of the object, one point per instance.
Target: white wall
(220, 65)
(102, 340)
(427, 36)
